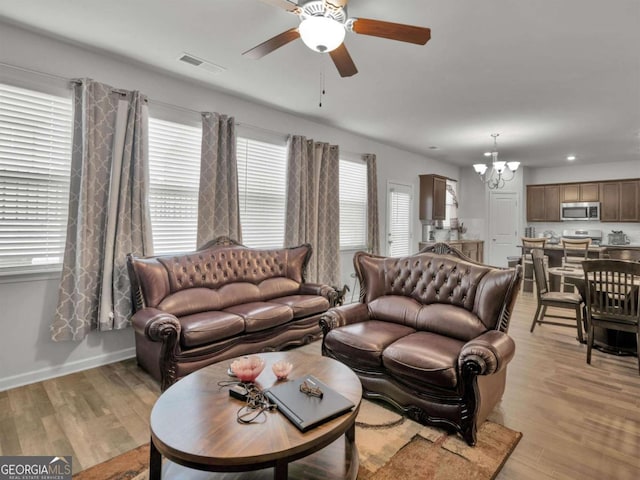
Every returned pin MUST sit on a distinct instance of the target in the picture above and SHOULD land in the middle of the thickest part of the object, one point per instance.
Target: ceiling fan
(323, 25)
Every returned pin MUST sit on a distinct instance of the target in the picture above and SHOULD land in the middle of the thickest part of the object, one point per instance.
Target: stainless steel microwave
(580, 211)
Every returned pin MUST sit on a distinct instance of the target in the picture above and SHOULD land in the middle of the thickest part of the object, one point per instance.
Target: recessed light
(571, 158)
(487, 154)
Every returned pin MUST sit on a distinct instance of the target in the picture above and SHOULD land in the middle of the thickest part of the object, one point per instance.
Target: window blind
(35, 161)
(451, 202)
(353, 205)
(174, 180)
(262, 173)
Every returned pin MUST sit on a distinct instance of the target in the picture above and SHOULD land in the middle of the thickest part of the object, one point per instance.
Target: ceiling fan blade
(272, 44)
(283, 4)
(343, 61)
(392, 31)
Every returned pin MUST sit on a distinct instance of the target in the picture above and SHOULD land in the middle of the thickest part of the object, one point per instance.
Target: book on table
(304, 410)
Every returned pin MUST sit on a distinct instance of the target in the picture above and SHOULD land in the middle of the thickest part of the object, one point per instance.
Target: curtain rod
(152, 101)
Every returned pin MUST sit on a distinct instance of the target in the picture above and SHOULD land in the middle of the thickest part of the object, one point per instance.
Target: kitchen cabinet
(474, 249)
(543, 203)
(620, 201)
(580, 192)
(433, 197)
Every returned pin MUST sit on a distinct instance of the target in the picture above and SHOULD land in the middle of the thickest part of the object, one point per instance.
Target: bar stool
(575, 251)
(528, 244)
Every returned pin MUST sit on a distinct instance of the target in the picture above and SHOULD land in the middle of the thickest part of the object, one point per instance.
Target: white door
(399, 219)
(503, 227)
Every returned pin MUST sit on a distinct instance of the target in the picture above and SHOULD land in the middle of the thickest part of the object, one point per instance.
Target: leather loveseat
(429, 335)
(219, 302)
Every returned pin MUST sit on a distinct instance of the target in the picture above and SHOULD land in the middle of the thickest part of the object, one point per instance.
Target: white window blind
(262, 173)
(35, 160)
(400, 204)
(353, 205)
(451, 202)
(174, 180)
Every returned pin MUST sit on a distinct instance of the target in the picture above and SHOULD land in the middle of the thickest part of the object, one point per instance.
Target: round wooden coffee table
(194, 426)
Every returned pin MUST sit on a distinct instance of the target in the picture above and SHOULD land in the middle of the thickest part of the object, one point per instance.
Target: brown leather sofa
(219, 302)
(429, 335)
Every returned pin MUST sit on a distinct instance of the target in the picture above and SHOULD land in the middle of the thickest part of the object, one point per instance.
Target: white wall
(575, 172)
(27, 354)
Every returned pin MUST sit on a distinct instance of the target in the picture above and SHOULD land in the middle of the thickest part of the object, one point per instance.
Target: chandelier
(500, 172)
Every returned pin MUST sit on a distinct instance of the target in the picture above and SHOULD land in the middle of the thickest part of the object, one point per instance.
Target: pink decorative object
(247, 369)
(282, 369)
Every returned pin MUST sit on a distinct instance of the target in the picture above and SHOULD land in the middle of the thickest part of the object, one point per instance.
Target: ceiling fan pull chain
(322, 91)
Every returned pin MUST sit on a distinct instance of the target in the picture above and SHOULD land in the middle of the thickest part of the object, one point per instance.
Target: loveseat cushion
(363, 342)
(396, 309)
(450, 321)
(261, 315)
(425, 358)
(303, 305)
(207, 327)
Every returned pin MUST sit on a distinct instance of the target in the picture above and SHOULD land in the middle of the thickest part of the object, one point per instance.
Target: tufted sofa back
(400, 289)
(217, 277)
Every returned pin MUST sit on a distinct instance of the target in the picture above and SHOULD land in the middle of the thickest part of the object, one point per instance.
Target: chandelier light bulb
(513, 166)
(321, 34)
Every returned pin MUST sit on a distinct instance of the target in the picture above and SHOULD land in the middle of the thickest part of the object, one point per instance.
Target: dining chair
(546, 298)
(612, 299)
(574, 251)
(528, 244)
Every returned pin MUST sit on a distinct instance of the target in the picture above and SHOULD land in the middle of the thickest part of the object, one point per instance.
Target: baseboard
(65, 369)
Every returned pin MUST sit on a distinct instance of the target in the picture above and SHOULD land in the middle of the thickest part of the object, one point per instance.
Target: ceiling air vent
(200, 63)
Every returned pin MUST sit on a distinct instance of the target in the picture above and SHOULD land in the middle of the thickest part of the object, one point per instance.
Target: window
(35, 160)
(262, 173)
(353, 205)
(174, 180)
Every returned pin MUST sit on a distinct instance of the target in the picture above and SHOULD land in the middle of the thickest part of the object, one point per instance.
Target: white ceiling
(553, 77)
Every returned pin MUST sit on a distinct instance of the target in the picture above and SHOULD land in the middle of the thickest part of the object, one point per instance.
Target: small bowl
(247, 369)
(282, 369)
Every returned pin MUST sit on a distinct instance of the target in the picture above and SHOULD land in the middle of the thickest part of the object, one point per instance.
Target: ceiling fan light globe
(321, 34)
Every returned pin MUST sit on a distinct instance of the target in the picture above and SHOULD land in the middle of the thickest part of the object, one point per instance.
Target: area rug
(390, 446)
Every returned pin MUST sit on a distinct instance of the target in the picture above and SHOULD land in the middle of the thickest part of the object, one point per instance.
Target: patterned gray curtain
(373, 222)
(108, 210)
(218, 203)
(313, 205)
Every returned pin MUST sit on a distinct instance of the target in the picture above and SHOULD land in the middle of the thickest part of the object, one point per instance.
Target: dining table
(609, 341)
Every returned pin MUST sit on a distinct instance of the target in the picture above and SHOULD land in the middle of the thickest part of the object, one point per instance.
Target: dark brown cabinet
(543, 203)
(620, 201)
(580, 192)
(433, 197)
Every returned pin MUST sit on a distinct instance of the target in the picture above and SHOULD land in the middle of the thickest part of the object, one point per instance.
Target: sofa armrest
(487, 354)
(343, 315)
(325, 291)
(156, 325)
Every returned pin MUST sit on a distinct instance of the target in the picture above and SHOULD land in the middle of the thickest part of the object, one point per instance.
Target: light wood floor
(579, 421)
